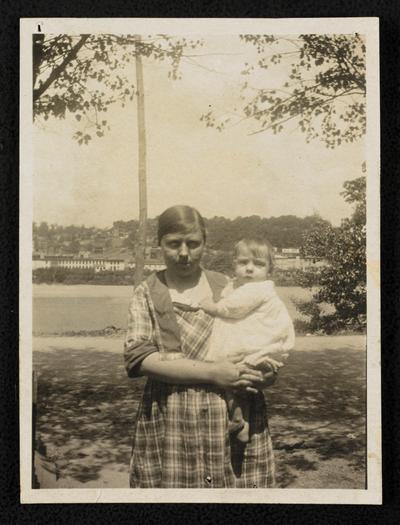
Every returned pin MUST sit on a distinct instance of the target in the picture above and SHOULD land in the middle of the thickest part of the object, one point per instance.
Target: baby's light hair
(258, 247)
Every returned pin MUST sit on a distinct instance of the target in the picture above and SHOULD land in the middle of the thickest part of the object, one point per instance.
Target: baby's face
(249, 268)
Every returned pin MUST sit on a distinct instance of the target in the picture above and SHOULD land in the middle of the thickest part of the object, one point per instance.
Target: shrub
(341, 284)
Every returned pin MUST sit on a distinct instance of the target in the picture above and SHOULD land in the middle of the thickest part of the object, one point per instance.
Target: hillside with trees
(286, 231)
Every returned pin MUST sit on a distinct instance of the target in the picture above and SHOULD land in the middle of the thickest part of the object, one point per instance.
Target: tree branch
(196, 64)
(283, 102)
(343, 61)
(295, 115)
(213, 54)
(37, 93)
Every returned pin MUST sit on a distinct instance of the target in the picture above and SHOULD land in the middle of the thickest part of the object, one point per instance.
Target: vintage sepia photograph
(200, 261)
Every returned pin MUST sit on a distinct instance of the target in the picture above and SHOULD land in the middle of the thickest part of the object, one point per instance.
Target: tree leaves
(85, 74)
(324, 92)
(343, 282)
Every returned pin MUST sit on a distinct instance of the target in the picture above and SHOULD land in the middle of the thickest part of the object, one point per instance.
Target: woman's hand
(264, 379)
(268, 379)
(236, 376)
(269, 364)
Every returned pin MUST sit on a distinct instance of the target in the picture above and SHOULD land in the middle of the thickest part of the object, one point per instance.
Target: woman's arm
(143, 358)
(139, 341)
(184, 371)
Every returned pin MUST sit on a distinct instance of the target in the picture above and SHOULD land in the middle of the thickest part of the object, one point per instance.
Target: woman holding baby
(202, 421)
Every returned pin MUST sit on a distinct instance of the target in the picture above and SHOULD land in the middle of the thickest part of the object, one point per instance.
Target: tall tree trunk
(141, 242)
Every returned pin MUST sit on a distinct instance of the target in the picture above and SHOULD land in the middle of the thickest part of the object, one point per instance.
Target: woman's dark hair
(180, 219)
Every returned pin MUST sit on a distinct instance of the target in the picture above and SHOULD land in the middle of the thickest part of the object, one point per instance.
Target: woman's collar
(217, 282)
(161, 297)
(159, 291)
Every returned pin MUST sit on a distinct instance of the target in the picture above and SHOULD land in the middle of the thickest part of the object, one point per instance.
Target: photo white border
(365, 26)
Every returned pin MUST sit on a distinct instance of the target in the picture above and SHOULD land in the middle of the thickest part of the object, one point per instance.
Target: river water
(62, 308)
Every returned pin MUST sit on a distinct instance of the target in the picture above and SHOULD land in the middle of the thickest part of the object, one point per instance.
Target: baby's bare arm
(238, 304)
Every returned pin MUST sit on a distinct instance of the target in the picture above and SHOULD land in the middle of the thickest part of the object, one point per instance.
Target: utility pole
(141, 243)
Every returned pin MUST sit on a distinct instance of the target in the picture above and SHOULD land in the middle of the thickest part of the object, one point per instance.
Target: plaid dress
(181, 437)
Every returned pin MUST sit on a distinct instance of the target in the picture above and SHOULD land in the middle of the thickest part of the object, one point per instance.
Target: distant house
(298, 263)
(39, 261)
(120, 231)
(86, 261)
(293, 252)
(149, 264)
(113, 243)
(154, 265)
(84, 254)
(82, 263)
(42, 243)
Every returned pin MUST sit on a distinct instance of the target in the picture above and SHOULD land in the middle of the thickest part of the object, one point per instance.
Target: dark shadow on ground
(86, 410)
(87, 407)
(318, 405)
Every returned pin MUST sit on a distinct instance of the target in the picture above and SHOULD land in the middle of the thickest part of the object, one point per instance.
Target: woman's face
(182, 252)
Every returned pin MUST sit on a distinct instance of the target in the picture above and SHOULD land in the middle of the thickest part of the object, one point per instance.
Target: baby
(250, 320)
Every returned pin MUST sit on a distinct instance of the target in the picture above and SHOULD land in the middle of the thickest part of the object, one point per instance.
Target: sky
(229, 173)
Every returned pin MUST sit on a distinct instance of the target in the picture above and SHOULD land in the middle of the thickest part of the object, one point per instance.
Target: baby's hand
(264, 363)
(273, 364)
(208, 306)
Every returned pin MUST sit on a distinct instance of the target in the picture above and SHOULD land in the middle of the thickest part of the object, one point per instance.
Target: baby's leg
(243, 408)
(239, 416)
(236, 421)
